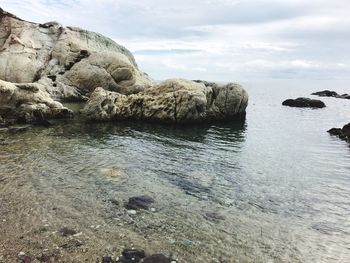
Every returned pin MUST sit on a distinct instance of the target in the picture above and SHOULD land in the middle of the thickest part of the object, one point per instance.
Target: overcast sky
(221, 40)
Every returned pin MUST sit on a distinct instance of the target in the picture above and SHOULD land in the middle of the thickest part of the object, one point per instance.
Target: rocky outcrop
(28, 103)
(172, 101)
(328, 93)
(53, 63)
(342, 133)
(69, 62)
(304, 103)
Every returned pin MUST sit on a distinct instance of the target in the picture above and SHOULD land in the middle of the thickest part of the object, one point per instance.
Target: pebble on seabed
(132, 212)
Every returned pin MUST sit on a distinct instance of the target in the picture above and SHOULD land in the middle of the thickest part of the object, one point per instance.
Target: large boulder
(28, 103)
(172, 101)
(304, 103)
(69, 62)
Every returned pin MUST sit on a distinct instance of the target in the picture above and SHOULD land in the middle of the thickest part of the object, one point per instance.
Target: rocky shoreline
(44, 65)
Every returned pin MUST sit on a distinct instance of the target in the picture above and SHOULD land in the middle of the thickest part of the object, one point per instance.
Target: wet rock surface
(304, 103)
(139, 202)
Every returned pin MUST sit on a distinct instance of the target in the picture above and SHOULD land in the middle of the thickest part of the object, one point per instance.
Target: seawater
(279, 181)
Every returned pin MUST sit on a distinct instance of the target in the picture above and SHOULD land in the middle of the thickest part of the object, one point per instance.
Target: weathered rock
(139, 202)
(28, 103)
(172, 101)
(342, 133)
(304, 103)
(69, 62)
(72, 64)
(328, 93)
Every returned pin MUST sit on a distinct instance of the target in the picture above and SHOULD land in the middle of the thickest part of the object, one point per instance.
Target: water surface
(279, 181)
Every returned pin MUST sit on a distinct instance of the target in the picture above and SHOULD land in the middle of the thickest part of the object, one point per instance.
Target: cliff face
(68, 64)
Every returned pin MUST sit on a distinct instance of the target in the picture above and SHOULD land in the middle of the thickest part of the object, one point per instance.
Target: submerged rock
(342, 133)
(214, 216)
(304, 103)
(328, 93)
(158, 258)
(65, 231)
(171, 101)
(139, 202)
(132, 255)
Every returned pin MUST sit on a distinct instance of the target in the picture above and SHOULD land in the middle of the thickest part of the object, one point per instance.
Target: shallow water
(279, 180)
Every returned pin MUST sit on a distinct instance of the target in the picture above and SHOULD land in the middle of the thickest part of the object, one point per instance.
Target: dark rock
(304, 103)
(336, 131)
(342, 133)
(107, 259)
(39, 118)
(326, 93)
(139, 202)
(157, 258)
(67, 232)
(132, 255)
(46, 258)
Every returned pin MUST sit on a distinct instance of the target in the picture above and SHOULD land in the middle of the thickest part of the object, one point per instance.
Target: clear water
(281, 182)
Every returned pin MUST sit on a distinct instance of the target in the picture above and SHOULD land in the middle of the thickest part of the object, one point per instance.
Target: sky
(218, 40)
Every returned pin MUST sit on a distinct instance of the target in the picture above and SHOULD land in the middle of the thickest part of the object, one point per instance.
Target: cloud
(214, 39)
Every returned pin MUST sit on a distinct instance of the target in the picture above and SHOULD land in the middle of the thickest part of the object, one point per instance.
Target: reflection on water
(272, 189)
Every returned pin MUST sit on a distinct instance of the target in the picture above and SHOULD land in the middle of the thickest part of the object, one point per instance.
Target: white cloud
(214, 39)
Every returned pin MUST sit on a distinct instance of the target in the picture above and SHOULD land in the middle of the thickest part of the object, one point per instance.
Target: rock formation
(173, 101)
(328, 93)
(50, 63)
(28, 103)
(304, 103)
(342, 133)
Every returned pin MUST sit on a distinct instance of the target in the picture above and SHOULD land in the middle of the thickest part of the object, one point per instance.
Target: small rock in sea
(132, 255)
(152, 209)
(107, 259)
(65, 231)
(158, 258)
(329, 93)
(132, 212)
(342, 133)
(214, 216)
(139, 202)
(304, 103)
